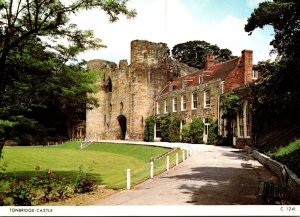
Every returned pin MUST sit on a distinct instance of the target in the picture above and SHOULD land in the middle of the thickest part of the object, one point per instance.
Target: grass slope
(108, 162)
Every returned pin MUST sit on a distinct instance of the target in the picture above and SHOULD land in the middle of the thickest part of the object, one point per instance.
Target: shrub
(20, 192)
(174, 130)
(185, 134)
(84, 182)
(149, 129)
(196, 130)
(165, 122)
(213, 137)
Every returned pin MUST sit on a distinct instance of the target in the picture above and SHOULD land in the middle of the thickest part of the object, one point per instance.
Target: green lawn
(108, 162)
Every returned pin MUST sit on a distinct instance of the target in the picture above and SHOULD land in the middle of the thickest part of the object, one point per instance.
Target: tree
(174, 130)
(34, 76)
(194, 53)
(284, 17)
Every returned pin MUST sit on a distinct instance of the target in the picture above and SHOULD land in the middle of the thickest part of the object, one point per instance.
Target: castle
(155, 84)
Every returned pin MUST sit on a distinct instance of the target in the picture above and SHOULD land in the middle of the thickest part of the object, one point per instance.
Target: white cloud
(254, 3)
(172, 25)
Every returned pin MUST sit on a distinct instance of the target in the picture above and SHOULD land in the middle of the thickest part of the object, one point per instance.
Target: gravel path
(213, 175)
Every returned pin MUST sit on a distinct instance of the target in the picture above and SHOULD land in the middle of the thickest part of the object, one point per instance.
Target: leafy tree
(196, 130)
(185, 134)
(194, 53)
(278, 87)
(38, 90)
(284, 17)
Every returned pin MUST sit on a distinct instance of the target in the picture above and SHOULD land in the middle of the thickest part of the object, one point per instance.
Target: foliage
(196, 130)
(293, 146)
(194, 53)
(174, 130)
(230, 105)
(84, 182)
(284, 17)
(149, 129)
(185, 133)
(213, 137)
(165, 122)
(35, 77)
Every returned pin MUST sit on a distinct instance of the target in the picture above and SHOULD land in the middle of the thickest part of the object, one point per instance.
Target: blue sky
(218, 22)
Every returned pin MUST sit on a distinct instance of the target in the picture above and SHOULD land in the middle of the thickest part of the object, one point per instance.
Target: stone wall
(292, 180)
(127, 92)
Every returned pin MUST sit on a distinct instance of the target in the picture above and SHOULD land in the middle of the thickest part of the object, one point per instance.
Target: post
(128, 179)
(190, 152)
(81, 146)
(151, 169)
(48, 144)
(176, 159)
(183, 156)
(168, 163)
(55, 143)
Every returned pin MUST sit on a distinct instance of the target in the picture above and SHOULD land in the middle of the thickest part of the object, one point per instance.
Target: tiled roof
(217, 71)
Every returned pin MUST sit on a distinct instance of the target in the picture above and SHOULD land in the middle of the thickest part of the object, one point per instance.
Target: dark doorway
(123, 126)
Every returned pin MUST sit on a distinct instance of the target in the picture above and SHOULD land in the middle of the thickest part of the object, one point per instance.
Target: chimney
(210, 61)
(247, 66)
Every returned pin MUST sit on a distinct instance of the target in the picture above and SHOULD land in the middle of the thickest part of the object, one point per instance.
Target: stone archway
(123, 126)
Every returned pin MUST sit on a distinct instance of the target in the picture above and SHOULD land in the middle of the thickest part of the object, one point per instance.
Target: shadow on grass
(67, 177)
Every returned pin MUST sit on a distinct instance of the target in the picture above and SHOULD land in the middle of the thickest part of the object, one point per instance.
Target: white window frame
(157, 108)
(205, 99)
(193, 99)
(200, 79)
(166, 106)
(254, 74)
(183, 102)
(174, 103)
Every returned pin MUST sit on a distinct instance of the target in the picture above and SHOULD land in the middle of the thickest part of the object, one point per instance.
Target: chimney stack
(247, 65)
(210, 61)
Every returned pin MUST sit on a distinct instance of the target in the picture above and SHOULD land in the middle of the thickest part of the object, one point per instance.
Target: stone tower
(127, 92)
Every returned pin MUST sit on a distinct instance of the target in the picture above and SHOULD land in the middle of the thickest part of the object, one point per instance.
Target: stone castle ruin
(128, 91)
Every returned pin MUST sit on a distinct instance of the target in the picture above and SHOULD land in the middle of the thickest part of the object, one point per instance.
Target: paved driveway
(211, 176)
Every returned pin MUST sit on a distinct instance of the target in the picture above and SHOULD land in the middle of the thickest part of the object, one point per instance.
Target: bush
(185, 134)
(196, 130)
(149, 129)
(213, 137)
(174, 130)
(84, 182)
(165, 122)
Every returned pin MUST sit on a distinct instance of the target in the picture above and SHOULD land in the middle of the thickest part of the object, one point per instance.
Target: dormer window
(254, 74)
(200, 81)
(184, 83)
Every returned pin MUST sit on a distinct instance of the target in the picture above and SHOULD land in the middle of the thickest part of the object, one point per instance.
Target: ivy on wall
(149, 128)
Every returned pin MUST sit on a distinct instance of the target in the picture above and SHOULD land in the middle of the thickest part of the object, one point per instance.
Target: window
(183, 103)
(255, 74)
(157, 108)
(194, 100)
(157, 130)
(241, 123)
(166, 106)
(175, 104)
(222, 87)
(200, 79)
(207, 99)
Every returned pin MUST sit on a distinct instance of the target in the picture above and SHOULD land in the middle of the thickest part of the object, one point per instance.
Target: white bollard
(183, 155)
(168, 163)
(81, 146)
(48, 144)
(191, 152)
(128, 179)
(151, 169)
(177, 161)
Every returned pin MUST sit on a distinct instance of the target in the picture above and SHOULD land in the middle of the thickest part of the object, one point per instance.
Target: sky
(219, 22)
